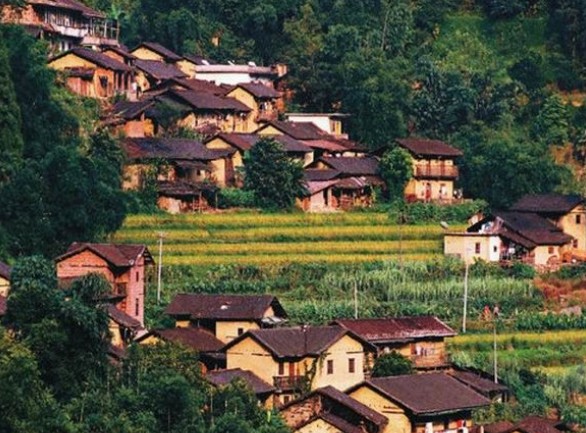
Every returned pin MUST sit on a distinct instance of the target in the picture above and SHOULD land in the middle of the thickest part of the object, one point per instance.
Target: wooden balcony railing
(436, 171)
(288, 383)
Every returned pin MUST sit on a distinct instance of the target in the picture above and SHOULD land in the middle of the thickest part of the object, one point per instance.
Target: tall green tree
(396, 168)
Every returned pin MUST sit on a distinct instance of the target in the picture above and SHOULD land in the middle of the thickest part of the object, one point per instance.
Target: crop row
(256, 248)
(519, 340)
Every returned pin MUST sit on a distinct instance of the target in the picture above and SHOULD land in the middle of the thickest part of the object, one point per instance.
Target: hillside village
(192, 122)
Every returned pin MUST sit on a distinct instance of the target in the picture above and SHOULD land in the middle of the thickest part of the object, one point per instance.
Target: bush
(417, 213)
(234, 197)
(392, 364)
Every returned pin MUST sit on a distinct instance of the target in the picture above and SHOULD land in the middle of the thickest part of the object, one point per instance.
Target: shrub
(392, 364)
(234, 197)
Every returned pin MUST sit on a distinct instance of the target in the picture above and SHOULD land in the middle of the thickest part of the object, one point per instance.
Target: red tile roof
(224, 307)
(352, 165)
(197, 339)
(158, 70)
(428, 394)
(547, 203)
(123, 319)
(95, 57)
(329, 145)
(297, 342)
(397, 329)
(536, 424)
(298, 130)
(118, 255)
(171, 149)
(424, 147)
(244, 141)
(200, 86)
(478, 383)
(167, 54)
(225, 377)
(206, 101)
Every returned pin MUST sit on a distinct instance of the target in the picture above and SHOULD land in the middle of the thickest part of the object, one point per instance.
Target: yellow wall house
(93, 74)
(154, 51)
(434, 170)
(261, 99)
(297, 360)
(226, 316)
(421, 403)
(511, 236)
(420, 339)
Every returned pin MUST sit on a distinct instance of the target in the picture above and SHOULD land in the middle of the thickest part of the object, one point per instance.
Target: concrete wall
(339, 353)
(465, 246)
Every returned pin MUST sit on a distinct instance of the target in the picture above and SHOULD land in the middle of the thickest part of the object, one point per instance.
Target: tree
(272, 176)
(396, 169)
(552, 122)
(392, 364)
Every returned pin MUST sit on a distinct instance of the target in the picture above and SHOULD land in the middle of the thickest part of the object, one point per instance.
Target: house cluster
(151, 93)
(540, 230)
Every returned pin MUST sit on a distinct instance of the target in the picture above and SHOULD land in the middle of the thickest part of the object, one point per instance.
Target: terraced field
(276, 239)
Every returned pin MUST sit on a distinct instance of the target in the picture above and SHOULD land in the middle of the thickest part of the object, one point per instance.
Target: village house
(567, 212)
(185, 170)
(93, 74)
(483, 383)
(131, 118)
(330, 123)
(64, 24)
(261, 99)
(330, 410)
(120, 54)
(226, 316)
(123, 328)
(150, 73)
(242, 142)
(421, 403)
(300, 359)
(189, 84)
(529, 424)
(419, 339)
(233, 74)
(154, 51)
(123, 266)
(199, 340)
(510, 236)
(5, 271)
(263, 391)
(434, 170)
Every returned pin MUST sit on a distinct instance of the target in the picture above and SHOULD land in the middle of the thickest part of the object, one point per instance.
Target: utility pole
(495, 369)
(355, 299)
(464, 313)
(160, 267)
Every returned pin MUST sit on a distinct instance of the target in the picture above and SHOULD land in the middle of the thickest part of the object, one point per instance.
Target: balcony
(288, 383)
(436, 171)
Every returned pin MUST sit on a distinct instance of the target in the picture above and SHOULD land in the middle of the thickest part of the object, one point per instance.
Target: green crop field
(206, 240)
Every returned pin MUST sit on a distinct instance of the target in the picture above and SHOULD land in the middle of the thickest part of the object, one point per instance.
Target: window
(286, 399)
(494, 249)
(550, 250)
(351, 365)
(330, 366)
(477, 248)
(281, 369)
(575, 243)
(137, 276)
(240, 331)
(136, 307)
(578, 219)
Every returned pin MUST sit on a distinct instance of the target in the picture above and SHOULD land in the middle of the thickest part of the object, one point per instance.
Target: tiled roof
(95, 57)
(225, 377)
(207, 101)
(224, 307)
(495, 427)
(328, 144)
(297, 342)
(2, 305)
(195, 59)
(339, 423)
(477, 382)
(197, 339)
(259, 90)
(536, 424)
(316, 175)
(121, 52)
(244, 142)
(129, 110)
(313, 187)
(547, 203)
(119, 255)
(533, 227)
(121, 318)
(424, 147)
(200, 86)
(5, 271)
(299, 130)
(171, 148)
(398, 329)
(428, 394)
(158, 70)
(71, 5)
(352, 404)
(353, 166)
(166, 53)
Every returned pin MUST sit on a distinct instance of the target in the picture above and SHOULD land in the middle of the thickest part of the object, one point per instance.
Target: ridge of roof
(95, 57)
(118, 255)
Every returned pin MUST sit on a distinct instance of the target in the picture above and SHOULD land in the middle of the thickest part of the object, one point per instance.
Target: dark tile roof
(299, 130)
(224, 307)
(195, 59)
(225, 377)
(97, 58)
(166, 53)
(313, 186)
(397, 329)
(121, 52)
(353, 166)
(428, 394)
(547, 203)
(259, 90)
(71, 5)
(171, 149)
(297, 342)
(339, 423)
(244, 142)
(478, 383)
(119, 255)
(536, 424)
(123, 319)
(206, 101)
(326, 144)
(2, 305)
(129, 110)
(5, 271)
(352, 404)
(200, 86)
(424, 147)
(197, 339)
(495, 427)
(532, 227)
(158, 70)
(317, 175)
